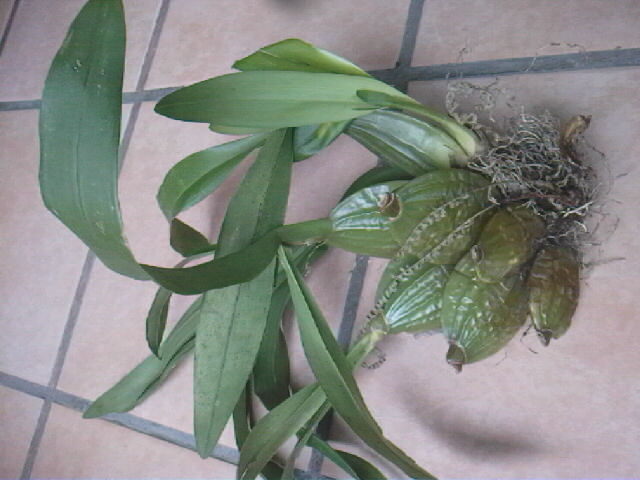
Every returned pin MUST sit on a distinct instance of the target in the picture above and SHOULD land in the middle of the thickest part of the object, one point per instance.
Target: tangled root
(537, 162)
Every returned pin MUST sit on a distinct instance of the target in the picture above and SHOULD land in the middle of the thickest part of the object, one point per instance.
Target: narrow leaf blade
(233, 319)
(221, 272)
(134, 387)
(80, 131)
(294, 54)
(275, 428)
(198, 175)
(272, 99)
(333, 371)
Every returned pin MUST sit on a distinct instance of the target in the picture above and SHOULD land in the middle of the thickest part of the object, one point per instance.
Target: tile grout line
(81, 287)
(8, 24)
(564, 62)
(358, 274)
(409, 40)
(56, 372)
(127, 420)
(145, 69)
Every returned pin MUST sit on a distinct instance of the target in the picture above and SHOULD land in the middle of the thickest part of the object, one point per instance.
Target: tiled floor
(570, 411)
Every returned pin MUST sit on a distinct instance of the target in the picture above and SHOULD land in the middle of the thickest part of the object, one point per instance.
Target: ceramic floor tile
(74, 448)
(455, 30)
(521, 412)
(42, 260)
(38, 30)
(200, 41)
(18, 417)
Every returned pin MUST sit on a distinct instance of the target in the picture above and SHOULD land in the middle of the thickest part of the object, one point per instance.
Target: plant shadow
(463, 434)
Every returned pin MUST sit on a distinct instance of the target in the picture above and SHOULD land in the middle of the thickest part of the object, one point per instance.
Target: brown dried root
(537, 162)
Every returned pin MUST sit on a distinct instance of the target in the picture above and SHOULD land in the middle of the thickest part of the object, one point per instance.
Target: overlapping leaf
(333, 371)
(148, 375)
(294, 54)
(233, 319)
(273, 99)
(187, 241)
(199, 174)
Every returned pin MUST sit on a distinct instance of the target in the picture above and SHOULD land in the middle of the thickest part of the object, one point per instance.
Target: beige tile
(76, 448)
(519, 411)
(18, 417)
(469, 30)
(37, 32)
(42, 260)
(200, 41)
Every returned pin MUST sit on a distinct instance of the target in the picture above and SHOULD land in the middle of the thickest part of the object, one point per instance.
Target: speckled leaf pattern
(442, 199)
(415, 306)
(507, 241)
(554, 283)
(481, 317)
(443, 205)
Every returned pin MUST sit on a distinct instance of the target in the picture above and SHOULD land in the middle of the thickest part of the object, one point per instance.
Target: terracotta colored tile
(520, 412)
(200, 41)
(18, 417)
(42, 260)
(457, 30)
(38, 30)
(76, 448)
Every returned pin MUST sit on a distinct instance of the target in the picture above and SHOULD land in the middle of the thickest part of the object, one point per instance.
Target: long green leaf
(333, 371)
(273, 99)
(233, 319)
(357, 467)
(272, 431)
(223, 271)
(271, 370)
(150, 373)
(80, 131)
(193, 178)
(294, 54)
(303, 437)
(275, 428)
